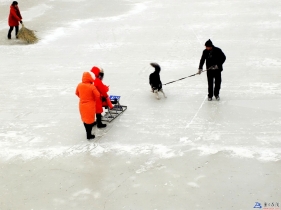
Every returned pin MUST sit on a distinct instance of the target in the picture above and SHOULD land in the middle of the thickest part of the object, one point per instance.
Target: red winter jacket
(14, 16)
(88, 95)
(103, 89)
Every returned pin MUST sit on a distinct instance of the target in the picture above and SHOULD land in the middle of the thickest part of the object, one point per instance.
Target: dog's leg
(163, 93)
(156, 94)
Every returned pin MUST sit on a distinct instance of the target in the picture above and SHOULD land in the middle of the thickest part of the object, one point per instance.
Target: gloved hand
(200, 71)
(103, 99)
(20, 22)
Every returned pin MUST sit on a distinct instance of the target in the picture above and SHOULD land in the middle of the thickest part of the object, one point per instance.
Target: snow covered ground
(178, 153)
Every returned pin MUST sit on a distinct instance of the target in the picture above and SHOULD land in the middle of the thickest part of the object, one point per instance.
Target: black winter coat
(154, 80)
(212, 57)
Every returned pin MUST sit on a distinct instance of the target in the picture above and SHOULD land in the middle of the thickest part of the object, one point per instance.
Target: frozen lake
(178, 153)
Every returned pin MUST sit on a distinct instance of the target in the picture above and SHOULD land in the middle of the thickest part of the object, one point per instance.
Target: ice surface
(182, 152)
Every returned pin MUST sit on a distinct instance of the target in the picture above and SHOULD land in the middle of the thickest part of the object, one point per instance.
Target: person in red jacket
(88, 95)
(14, 19)
(104, 99)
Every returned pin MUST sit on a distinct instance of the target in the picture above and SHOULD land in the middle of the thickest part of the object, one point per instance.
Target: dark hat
(15, 3)
(209, 43)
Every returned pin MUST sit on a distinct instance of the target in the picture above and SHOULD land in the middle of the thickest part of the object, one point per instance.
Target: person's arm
(77, 92)
(95, 92)
(201, 63)
(202, 60)
(14, 14)
(103, 89)
(221, 59)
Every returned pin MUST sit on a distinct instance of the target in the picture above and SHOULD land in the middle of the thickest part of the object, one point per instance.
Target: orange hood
(87, 78)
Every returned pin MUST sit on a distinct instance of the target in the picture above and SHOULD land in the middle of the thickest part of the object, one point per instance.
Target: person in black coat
(214, 60)
(155, 81)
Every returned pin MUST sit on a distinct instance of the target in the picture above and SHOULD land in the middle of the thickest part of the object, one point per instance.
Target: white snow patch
(184, 140)
(161, 151)
(78, 23)
(157, 151)
(266, 62)
(262, 154)
(199, 177)
(83, 192)
(57, 33)
(138, 8)
(193, 184)
(35, 12)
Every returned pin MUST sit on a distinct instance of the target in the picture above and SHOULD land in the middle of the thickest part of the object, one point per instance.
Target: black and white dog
(155, 82)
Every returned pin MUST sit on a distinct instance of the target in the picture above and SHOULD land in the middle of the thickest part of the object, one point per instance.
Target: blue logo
(258, 205)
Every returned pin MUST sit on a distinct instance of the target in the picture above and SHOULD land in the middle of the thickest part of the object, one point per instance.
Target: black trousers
(11, 29)
(214, 76)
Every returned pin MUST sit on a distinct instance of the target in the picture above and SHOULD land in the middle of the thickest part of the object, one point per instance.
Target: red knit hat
(96, 71)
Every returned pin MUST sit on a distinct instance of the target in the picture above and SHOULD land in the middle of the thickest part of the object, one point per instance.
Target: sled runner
(117, 109)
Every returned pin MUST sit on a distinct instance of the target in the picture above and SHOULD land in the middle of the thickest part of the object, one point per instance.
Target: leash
(188, 76)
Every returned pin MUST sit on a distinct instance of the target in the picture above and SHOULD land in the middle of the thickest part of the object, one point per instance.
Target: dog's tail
(155, 65)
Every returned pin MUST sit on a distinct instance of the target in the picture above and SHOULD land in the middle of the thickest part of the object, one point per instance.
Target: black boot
(88, 128)
(99, 123)
(10, 32)
(17, 31)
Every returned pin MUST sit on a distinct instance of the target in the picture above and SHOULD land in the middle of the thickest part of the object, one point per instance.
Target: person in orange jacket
(88, 94)
(14, 19)
(104, 99)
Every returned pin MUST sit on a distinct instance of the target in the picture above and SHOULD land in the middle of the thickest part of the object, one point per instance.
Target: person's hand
(199, 71)
(20, 22)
